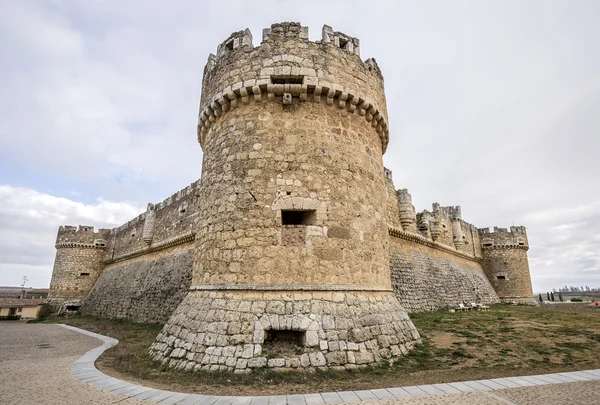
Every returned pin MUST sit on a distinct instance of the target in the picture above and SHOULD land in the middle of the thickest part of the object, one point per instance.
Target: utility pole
(23, 287)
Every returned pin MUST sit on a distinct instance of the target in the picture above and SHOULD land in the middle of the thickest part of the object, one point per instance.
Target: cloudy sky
(493, 105)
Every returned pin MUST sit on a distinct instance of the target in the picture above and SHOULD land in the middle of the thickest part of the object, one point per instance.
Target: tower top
(290, 68)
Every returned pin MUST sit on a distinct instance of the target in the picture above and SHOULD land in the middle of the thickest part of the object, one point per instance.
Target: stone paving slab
(84, 370)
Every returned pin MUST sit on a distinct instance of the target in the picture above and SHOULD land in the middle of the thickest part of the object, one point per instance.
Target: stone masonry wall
(75, 272)
(171, 218)
(78, 262)
(426, 279)
(143, 289)
(506, 264)
(293, 187)
(216, 330)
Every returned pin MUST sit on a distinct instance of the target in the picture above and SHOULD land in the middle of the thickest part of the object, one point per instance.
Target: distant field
(506, 341)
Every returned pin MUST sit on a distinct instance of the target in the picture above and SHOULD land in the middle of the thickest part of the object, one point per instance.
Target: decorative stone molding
(79, 245)
(335, 94)
(286, 287)
(165, 244)
(506, 246)
(412, 237)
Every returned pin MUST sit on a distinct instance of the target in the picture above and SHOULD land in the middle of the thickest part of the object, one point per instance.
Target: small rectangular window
(84, 274)
(501, 277)
(287, 79)
(298, 217)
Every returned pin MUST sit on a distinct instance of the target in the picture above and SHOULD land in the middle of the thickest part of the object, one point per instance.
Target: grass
(505, 341)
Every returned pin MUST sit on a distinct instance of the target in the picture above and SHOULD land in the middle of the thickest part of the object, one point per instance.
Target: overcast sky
(493, 105)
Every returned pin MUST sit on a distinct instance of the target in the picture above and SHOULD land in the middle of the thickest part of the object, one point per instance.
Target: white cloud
(29, 221)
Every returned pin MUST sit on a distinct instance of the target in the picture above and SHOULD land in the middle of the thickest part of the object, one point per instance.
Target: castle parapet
(81, 236)
(505, 262)
(287, 67)
(516, 237)
(77, 265)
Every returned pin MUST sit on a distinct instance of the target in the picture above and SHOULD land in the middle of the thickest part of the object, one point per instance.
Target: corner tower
(505, 263)
(292, 266)
(77, 265)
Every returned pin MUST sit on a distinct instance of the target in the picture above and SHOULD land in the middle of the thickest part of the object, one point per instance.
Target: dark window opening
(487, 244)
(133, 235)
(284, 343)
(343, 43)
(84, 274)
(501, 277)
(298, 217)
(521, 243)
(72, 307)
(229, 45)
(182, 211)
(287, 79)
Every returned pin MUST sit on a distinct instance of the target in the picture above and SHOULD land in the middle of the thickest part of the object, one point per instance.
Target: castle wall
(293, 228)
(172, 218)
(147, 288)
(75, 272)
(140, 270)
(315, 156)
(425, 278)
(78, 263)
(506, 264)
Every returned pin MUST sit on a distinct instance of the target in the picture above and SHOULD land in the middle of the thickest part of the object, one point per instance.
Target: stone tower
(505, 263)
(292, 264)
(77, 265)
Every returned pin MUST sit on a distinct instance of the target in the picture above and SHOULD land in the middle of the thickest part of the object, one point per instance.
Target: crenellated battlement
(285, 30)
(341, 40)
(452, 211)
(175, 198)
(289, 68)
(516, 237)
(81, 236)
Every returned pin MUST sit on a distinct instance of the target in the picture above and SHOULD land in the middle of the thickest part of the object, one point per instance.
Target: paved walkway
(35, 361)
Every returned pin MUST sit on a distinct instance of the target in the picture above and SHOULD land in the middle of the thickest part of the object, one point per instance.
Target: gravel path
(35, 362)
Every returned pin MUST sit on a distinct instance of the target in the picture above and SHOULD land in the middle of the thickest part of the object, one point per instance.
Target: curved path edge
(85, 370)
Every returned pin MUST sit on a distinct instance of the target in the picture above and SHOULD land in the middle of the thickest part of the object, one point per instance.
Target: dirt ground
(505, 341)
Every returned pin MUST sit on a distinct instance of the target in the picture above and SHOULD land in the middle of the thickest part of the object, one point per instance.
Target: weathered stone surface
(426, 279)
(289, 227)
(148, 289)
(387, 322)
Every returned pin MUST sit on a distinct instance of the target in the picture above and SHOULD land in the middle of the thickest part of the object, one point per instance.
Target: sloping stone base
(226, 330)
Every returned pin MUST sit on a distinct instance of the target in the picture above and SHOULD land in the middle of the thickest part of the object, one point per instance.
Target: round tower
(292, 266)
(504, 260)
(77, 265)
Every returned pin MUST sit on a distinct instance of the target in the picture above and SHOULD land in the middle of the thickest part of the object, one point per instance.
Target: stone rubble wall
(225, 330)
(427, 279)
(145, 289)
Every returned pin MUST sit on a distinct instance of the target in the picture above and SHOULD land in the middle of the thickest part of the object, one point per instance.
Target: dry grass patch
(506, 341)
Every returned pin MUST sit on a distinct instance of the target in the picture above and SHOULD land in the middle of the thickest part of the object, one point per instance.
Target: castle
(294, 250)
